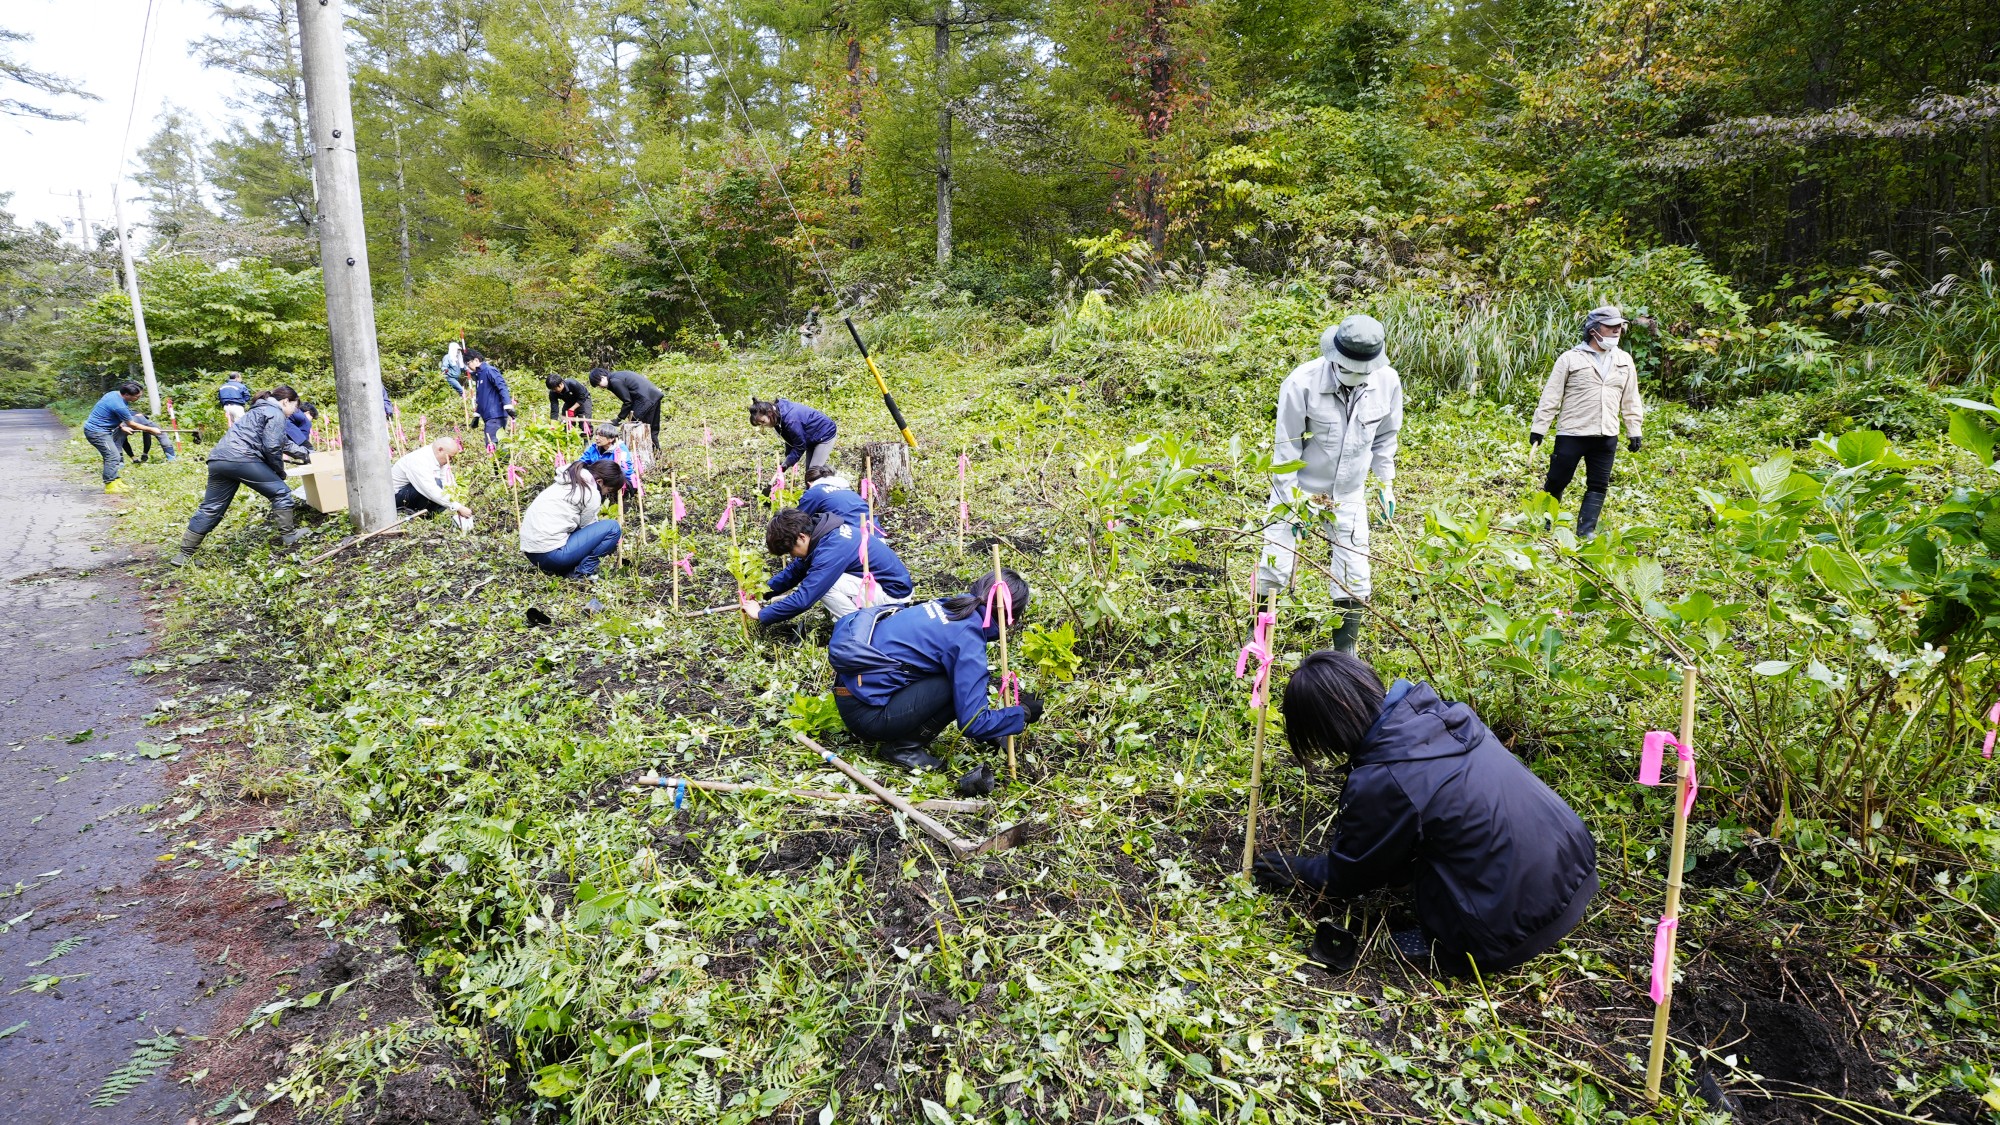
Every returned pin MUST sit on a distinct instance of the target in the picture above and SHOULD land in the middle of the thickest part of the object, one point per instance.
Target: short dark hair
(597, 373)
(277, 392)
(1331, 702)
(555, 382)
(819, 473)
(610, 477)
(960, 606)
(766, 409)
(130, 389)
(474, 353)
(785, 529)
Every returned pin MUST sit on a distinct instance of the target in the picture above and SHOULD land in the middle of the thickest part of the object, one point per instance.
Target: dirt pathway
(71, 853)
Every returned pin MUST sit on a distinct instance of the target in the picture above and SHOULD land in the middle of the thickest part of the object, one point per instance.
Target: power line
(138, 76)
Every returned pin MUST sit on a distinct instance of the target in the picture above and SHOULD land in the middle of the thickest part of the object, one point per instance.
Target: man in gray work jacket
(1340, 415)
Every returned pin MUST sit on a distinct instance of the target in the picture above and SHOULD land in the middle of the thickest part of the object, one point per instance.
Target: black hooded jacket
(1501, 868)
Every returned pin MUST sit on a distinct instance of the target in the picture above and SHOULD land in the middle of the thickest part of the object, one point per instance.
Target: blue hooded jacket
(1501, 867)
(802, 426)
(917, 642)
(591, 455)
(835, 550)
(233, 392)
(826, 498)
(490, 394)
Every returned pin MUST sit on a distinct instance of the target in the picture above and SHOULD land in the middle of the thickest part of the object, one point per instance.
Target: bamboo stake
(1257, 746)
(868, 493)
(654, 780)
(621, 527)
(1676, 860)
(674, 564)
(1013, 766)
(961, 499)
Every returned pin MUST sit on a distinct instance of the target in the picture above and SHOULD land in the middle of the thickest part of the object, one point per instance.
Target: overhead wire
(138, 79)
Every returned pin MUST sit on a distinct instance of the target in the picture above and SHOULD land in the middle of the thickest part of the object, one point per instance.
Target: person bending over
(831, 563)
(299, 433)
(568, 398)
(638, 398)
(902, 674)
(1499, 867)
(827, 494)
(251, 453)
(808, 435)
(109, 422)
(560, 531)
(424, 481)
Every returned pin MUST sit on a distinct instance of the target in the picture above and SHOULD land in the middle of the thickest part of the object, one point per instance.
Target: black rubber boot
(1413, 944)
(287, 519)
(977, 783)
(1586, 516)
(1351, 613)
(909, 755)
(190, 543)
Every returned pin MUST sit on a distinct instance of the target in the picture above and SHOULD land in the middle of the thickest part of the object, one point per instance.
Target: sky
(96, 43)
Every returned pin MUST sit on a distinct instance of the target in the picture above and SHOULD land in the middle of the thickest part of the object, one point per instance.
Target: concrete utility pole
(343, 259)
(132, 291)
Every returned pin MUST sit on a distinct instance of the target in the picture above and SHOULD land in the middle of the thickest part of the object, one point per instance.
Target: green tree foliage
(203, 317)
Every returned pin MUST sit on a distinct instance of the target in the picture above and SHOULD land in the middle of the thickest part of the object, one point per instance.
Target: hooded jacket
(1590, 399)
(801, 426)
(1341, 433)
(257, 436)
(834, 549)
(911, 643)
(636, 394)
(826, 498)
(557, 512)
(490, 393)
(1501, 867)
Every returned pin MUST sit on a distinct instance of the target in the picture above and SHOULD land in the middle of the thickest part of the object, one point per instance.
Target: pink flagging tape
(777, 486)
(1663, 955)
(728, 513)
(514, 475)
(1993, 717)
(1652, 756)
(868, 583)
(680, 507)
(1258, 649)
(686, 563)
(1002, 594)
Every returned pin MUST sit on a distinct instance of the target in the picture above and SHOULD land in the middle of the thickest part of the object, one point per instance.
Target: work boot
(190, 543)
(1586, 516)
(114, 486)
(289, 531)
(909, 754)
(1349, 632)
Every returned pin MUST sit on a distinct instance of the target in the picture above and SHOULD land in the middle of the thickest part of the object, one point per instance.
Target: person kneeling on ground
(830, 562)
(827, 494)
(560, 531)
(423, 481)
(110, 420)
(251, 453)
(605, 446)
(1500, 867)
(808, 435)
(904, 673)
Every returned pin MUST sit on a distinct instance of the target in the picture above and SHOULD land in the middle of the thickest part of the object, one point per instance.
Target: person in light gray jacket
(251, 453)
(1591, 388)
(1340, 414)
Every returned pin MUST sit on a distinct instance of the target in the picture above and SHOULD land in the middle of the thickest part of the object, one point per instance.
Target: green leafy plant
(152, 1056)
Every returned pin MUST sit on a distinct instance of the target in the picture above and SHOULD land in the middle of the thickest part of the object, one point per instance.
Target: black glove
(1032, 704)
(1273, 871)
(1632, 444)
(1534, 438)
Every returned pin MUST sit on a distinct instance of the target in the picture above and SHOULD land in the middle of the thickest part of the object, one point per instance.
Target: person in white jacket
(423, 481)
(1592, 387)
(1339, 414)
(560, 531)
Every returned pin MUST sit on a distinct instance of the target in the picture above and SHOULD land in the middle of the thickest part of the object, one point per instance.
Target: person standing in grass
(902, 674)
(110, 420)
(251, 453)
(234, 395)
(1591, 388)
(808, 435)
(560, 531)
(1500, 868)
(453, 366)
(1340, 415)
(492, 399)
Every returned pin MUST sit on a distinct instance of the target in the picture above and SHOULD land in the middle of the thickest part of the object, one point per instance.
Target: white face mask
(1349, 378)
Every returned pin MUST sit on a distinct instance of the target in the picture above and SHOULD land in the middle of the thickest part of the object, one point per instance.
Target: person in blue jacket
(605, 446)
(827, 568)
(110, 420)
(492, 400)
(1500, 868)
(827, 494)
(902, 674)
(808, 434)
(299, 433)
(234, 396)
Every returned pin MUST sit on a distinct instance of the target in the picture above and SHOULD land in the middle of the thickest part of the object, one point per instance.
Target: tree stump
(638, 437)
(887, 463)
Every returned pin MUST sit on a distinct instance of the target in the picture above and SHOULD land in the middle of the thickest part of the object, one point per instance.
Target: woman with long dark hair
(560, 531)
(252, 454)
(1500, 868)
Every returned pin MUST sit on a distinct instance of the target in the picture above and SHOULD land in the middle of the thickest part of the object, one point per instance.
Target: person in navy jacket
(827, 494)
(827, 567)
(808, 434)
(492, 399)
(902, 674)
(1500, 868)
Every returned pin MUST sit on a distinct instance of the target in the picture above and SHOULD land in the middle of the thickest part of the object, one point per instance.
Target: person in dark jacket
(832, 564)
(902, 674)
(639, 399)
(1500, 868)
(568, 398)
(492, 399)
(234, 396)
(808, 435)
(252, 453)
(827, 494)
(299, 433)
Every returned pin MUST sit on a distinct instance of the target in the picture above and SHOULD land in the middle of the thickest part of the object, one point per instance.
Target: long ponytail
(960, 606)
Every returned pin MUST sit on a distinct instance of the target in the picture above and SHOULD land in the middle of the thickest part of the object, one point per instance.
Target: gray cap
(1599, 317)
(1355, 344)
(606, 429)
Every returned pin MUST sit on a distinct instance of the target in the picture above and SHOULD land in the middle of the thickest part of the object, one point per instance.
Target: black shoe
(977, 783)
(909, 755)
(1414, 944)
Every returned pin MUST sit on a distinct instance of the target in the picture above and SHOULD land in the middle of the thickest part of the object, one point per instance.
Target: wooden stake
(961, 501)
(674, 563)
(621, 527)
(868, 474)
(1257, 745)
(1013, 766)
(959, 846)
(345, 544)
(1676, 860)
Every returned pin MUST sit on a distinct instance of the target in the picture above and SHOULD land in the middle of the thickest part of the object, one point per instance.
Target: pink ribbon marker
(964, 509)
(868, 583)
(1003, 595)
(1259, 649)
(680, 508)
(686, 563)
(1663, 952)
(867, 487)
(490, 448)
(1652, 755)
(728, 514)
(1992, 716)
(1010, 689)
(778, 488)
(514, 475)
(424, 429)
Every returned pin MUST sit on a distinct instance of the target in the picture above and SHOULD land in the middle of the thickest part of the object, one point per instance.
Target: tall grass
(1500, 345)
(1946, 333)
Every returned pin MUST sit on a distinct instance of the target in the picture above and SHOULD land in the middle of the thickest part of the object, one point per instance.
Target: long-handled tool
(650, 779)
(909, 438)
(959, 846)
(714, 609)
(346, 543)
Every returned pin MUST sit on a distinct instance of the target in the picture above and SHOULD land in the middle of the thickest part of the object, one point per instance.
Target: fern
(66, 945)
(152, 1056)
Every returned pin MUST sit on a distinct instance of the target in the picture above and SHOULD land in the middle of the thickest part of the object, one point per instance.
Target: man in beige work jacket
(1339, 414)
(1591, 387)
